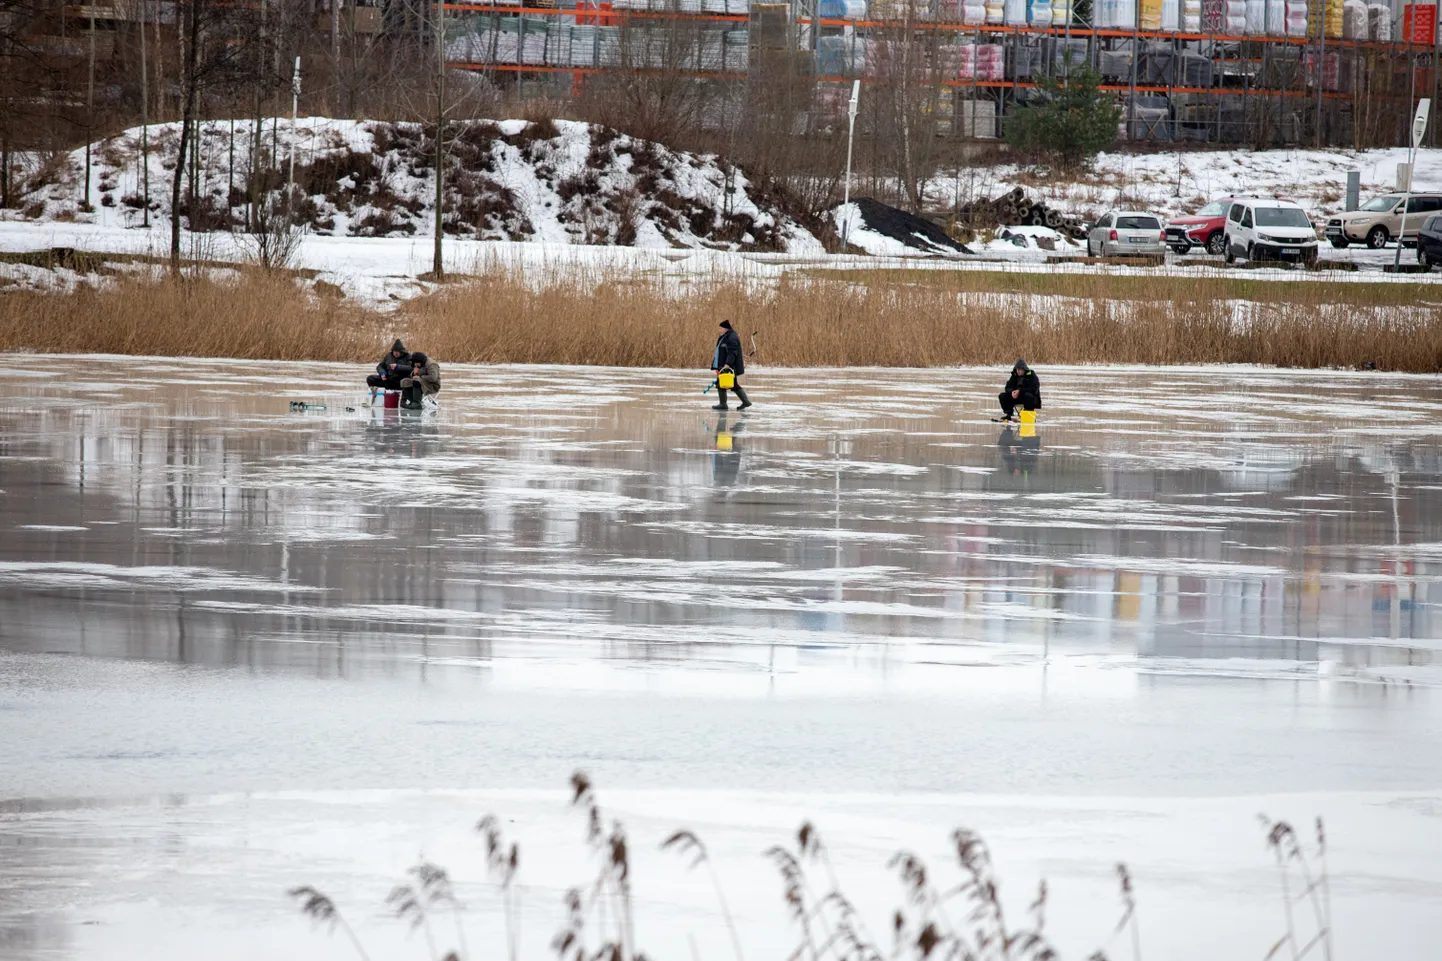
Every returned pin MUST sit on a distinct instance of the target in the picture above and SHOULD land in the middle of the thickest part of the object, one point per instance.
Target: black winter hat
(726, 324)
(1020, 365)
(398, 347)
(419, 359)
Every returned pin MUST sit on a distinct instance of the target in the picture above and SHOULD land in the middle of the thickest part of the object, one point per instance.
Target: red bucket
(393, 399)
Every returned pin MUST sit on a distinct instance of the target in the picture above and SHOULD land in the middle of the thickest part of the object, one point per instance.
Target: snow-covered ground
(556, 183)
(1177, 183)
(382, 272)
(372, 237)
(243, 649)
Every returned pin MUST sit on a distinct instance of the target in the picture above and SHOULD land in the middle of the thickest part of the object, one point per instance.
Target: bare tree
(216, 39)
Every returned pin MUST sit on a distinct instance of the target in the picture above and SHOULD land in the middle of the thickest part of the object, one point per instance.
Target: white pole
(1419, 126)
(850, 137)
(294, 112)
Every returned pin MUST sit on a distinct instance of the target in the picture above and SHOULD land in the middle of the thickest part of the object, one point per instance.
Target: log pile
(1015, 209)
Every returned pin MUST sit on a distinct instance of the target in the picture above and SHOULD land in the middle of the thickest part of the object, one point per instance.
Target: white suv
(1269, 229)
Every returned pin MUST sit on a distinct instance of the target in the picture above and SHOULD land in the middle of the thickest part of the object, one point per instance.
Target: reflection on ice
(1075, 638)
(1254, 514)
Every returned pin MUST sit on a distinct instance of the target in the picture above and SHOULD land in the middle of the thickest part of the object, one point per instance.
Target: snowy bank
(551, 182)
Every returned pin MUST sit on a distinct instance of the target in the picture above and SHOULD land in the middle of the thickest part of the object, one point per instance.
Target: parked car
(1205, 228)
(1260, 229)
(1429, 242)
(1379, 221)
(1123, 233)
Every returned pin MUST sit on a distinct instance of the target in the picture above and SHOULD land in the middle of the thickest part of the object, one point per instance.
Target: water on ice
(243, 649)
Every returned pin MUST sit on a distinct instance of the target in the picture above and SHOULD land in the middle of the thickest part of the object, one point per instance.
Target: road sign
(1419, 122)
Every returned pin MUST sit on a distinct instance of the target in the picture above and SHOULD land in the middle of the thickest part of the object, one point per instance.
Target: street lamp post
(850, 137)
(1419, 126)
(294, 113)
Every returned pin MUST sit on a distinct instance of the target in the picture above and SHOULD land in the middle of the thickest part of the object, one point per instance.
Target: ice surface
(243, 649)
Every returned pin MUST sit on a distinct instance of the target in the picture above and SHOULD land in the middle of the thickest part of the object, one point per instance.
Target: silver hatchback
(1124, 233)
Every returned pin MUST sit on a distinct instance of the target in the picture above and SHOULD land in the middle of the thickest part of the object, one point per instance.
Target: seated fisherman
(1023, 389)
(394, 367)
(424, 381)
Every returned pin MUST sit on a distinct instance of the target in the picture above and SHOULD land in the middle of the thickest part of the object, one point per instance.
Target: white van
(1260, 229)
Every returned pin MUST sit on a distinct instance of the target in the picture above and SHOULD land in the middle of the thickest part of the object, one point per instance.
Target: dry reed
(964, 920)
(815, 319)
(922, 320)
(249, 315)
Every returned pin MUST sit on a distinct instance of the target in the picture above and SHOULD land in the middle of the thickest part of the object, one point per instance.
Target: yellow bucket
(723, 441)
(725, 380)
(1027, 430)
(1028, 417)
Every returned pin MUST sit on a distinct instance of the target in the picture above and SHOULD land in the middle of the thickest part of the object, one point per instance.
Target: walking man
(729, 358)
(1023, 389)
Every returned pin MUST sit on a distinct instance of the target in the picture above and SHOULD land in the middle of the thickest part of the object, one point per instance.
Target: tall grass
(943, 915)
(924, 320)
(250, 315)
(826, 319)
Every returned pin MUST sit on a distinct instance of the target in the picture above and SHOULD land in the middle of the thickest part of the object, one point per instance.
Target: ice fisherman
(729, 357)
(1023, 389)
(394, 367)
(424, 381)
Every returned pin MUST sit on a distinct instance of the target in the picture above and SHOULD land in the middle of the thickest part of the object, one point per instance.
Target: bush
(1070, 123)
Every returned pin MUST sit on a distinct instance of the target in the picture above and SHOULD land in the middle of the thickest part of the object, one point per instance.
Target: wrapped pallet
(1256, 23)
(1196, 70)
(738, 51)
(1151, 14)
(1379, 22)
(1276, 18)
(977, 119)
(583, 46)
(832, 56)
(1191, 14)
(1355, 20)
(1296, 18)
(1038, 13)
(1116, 64)
(1333, 18)
(608, 46)
(558, 44)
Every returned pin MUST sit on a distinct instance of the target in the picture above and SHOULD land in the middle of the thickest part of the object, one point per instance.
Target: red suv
(1205, 228)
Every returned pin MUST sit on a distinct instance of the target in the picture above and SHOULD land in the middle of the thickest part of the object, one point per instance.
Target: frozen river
(243, 649)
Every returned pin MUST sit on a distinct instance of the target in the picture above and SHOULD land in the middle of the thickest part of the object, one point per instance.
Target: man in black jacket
(1023, 390)
(729, 357)
(394, 367)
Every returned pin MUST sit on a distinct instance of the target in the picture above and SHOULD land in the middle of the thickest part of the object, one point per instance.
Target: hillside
(553, 182)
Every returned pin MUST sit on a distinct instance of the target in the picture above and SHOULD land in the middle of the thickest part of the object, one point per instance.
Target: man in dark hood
(729, 357)
(394, 367)
(424, 381)
(1023, 389)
